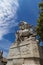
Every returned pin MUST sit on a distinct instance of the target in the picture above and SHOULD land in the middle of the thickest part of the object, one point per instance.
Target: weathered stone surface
(31, 62)
(26, 49)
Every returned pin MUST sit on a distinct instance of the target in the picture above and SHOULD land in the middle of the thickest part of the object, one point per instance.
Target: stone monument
(26, 49)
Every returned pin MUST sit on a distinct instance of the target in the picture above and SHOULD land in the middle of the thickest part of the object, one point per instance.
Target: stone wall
(26, 53)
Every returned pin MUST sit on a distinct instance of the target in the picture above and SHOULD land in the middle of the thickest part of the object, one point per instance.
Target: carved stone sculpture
(26, 49)
(25, 31)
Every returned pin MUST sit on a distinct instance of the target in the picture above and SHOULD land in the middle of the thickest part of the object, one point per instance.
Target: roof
(4, 60)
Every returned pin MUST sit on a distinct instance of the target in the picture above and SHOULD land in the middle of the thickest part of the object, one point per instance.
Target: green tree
(39, 28)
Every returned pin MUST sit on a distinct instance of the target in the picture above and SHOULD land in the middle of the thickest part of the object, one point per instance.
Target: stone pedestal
(26, 53)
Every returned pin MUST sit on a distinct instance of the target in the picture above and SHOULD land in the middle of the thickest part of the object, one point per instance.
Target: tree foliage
(39, 28)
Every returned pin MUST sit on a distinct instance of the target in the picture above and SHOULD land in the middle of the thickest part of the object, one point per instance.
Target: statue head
(24, 25)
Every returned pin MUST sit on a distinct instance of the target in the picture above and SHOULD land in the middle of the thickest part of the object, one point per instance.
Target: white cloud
(8, 10)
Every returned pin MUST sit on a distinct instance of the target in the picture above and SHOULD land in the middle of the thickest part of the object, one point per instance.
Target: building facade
(3, 60)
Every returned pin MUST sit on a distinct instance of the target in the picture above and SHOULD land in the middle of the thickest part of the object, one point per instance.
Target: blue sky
(11, 13)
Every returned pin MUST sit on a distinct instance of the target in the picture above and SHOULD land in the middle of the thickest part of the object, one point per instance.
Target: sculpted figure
(25, 31)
